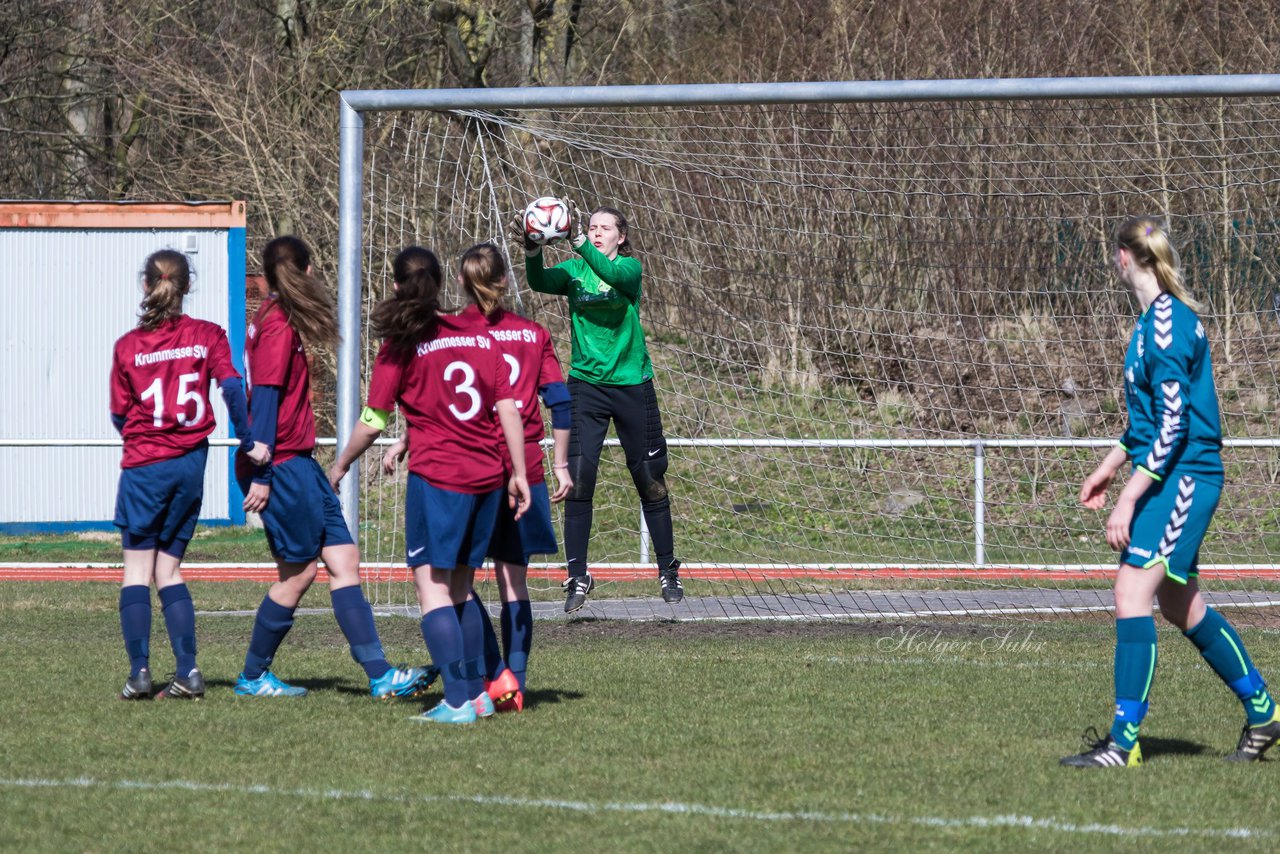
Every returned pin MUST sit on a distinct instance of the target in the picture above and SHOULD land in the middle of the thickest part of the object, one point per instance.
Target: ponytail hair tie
(164, 277)
(1148, 231)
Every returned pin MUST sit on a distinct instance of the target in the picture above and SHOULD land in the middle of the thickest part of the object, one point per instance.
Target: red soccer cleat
(515, 704)
(503, 688)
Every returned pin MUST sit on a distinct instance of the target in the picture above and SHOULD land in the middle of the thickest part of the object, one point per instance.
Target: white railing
(977, 447)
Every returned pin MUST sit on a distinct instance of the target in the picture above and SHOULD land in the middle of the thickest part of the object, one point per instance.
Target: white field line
(670, 808)
(930, 661)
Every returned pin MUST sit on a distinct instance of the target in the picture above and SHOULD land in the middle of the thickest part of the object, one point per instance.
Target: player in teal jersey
(610, 379)
(1173, 441)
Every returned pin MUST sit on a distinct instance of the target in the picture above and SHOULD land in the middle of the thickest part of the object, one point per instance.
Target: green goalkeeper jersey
(604, 313)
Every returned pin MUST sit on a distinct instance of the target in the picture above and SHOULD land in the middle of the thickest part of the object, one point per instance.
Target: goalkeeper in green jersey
(610, 379)
(1173, 444)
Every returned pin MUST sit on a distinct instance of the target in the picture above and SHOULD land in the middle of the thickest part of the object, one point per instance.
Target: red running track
(708, 572)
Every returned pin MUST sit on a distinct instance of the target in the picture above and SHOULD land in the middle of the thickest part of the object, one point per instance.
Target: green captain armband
(375, 418)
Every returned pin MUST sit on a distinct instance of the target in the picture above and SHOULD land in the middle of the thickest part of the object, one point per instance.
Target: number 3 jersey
(446, 390)
(160, 384)
(1168, 385)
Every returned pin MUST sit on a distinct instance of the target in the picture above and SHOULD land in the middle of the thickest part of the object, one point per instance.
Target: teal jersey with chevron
(1174, 423)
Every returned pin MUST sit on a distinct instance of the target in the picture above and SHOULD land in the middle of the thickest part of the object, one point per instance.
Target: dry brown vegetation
(150, 100)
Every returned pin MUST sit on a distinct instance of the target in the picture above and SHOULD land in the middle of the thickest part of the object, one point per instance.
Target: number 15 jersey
(160, 384)
(446, 390)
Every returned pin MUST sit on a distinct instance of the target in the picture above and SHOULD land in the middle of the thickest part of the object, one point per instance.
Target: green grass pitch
(638, 737)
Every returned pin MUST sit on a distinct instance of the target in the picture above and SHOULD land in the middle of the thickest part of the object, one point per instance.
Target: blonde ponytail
(1147, 240)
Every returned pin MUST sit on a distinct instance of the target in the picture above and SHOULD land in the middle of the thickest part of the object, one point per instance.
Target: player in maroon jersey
(300, 514)
(160, 379)
(450, 381)
(534, 370)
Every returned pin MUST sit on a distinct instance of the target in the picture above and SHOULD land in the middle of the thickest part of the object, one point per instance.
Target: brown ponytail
(484, 275)
(410, 315)
(302, 296)
(167, 278)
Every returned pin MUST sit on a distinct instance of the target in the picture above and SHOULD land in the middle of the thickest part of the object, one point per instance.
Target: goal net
(887, 339)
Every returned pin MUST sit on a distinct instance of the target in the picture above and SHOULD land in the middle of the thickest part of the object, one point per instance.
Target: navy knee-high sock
(355, 618)
(493, 663)
(517, 636)
(471, 621)
(443, 635)
(135, 625)
(180, 621)
(269, 628)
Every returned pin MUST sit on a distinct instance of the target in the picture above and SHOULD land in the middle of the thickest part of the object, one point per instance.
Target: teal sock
(1223, 651)
(1135, 665)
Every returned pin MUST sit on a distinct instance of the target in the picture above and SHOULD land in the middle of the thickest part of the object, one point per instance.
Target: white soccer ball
(546, 220)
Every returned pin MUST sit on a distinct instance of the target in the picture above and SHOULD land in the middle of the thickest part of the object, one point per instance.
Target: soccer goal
(886, 335)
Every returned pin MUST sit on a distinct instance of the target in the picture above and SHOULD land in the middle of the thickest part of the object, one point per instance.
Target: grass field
(637, 737)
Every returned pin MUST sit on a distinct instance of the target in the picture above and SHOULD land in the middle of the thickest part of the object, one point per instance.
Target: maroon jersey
(531, 360)
(160, 383)
(446, 391)
(273, 355)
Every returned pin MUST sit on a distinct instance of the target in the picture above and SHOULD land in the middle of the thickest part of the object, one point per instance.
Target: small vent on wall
(189, 243)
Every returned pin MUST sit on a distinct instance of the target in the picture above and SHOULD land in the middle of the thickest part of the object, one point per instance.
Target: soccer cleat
(503, 688)
(483, 705)
(190, 688)
(266, 685)
(515, 704)
(137, 687)
(576, 588)
(1255, 741)
(403, 682)
(1104, 753)
(443, 713)
(672, 589)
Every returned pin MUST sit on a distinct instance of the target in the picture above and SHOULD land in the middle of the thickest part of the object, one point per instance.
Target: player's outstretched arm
(622, 273)
(365, 433)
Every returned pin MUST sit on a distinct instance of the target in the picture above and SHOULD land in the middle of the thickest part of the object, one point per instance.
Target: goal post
(887, 339)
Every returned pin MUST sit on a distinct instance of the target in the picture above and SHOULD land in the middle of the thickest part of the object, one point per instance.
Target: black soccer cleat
(576, 588)
(190, 688)
(1255, 741)
(672, 589)
(138, 687)
(1103, 753)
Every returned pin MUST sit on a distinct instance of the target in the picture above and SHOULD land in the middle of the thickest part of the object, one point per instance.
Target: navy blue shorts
(514, 541)
(303, 516)
(444, 529)
(161, 501)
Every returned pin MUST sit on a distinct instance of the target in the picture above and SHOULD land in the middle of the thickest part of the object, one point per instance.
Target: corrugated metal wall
(68, 295)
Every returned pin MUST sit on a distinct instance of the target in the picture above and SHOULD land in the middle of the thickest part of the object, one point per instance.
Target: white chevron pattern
(1178, 518)
(1163, 324)
(1170, 424)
